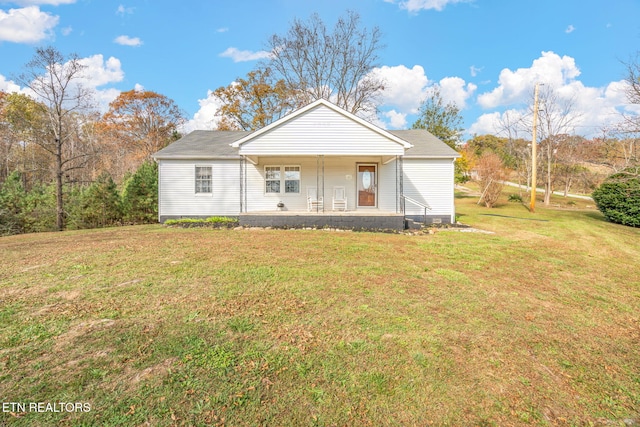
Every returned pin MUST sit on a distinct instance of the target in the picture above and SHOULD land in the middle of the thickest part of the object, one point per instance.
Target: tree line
(64, 165)
(566, 162)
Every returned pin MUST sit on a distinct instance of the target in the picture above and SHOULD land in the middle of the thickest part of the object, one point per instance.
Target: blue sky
(485, 55)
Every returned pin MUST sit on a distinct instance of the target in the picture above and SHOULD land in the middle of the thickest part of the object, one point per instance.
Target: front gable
(321, 128)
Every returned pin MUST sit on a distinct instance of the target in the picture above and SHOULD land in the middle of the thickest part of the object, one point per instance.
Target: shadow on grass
(515, 217)
(597, 216)
(459, 195)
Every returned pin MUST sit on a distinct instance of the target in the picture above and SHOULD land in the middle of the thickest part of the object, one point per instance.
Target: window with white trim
(278, 177)
(272, 179)
(292, 179)
(203, 180)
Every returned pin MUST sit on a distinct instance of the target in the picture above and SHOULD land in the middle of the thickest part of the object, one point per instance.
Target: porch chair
(314, 202)
(339, 199)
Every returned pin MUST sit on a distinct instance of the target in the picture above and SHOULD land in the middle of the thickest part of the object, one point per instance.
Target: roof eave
(195, 157)
(427, 156)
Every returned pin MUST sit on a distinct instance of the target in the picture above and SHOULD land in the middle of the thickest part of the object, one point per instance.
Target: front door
(367, 185)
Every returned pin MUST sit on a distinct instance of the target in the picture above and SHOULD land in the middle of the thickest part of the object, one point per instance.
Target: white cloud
(8, 85)
(122, 10)
(456, 90)
(595, 107)
(222, 30)
(102, 72)
(570, 29)
(66, 31)
(26, 25)
(128, 41)
(515, 86)
(475, 70)
(98, 73)
(395, 120)
(244, 55)
(138, 87)
(490, 123)
(404, 88)
(418, 5)
(205, 118)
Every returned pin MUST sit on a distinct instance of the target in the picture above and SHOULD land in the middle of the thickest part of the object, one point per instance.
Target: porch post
(242, 165)
(401, 179)
(320, 181)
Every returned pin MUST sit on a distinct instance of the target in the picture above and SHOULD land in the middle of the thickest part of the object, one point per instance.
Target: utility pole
(534, 151)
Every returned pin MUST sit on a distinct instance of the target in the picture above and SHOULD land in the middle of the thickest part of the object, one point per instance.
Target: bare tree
(556, 117)
(556, 120)
(55, 80)
(630, 126)
(334, 65)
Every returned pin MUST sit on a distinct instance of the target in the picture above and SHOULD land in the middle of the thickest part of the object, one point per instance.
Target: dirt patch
(66, 339)
(156, 371)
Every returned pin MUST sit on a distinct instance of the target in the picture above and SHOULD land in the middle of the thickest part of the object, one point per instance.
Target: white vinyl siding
(177, 194)
(430, 181)
(321, 131)
(387, 185)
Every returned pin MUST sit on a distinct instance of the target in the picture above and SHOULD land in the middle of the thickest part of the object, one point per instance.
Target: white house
(318, 166)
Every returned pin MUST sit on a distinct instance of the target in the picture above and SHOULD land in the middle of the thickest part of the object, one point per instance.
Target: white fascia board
(457, 156)
(195, 157)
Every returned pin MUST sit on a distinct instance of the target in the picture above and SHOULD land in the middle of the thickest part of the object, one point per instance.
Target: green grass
(535, 324)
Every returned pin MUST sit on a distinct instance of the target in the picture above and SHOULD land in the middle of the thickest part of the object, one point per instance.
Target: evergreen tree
(140, 195)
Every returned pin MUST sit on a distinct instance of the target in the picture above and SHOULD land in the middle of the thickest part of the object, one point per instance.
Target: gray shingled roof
(211, 144)
(425, 144)
(203, 144)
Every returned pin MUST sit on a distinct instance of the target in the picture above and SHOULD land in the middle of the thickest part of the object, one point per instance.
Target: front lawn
(535, 324)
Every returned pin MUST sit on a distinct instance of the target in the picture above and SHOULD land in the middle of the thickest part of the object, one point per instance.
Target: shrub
(618, 198)
(212, 221)
(515, 198)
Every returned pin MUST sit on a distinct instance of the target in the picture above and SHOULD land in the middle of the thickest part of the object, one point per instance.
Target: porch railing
(424, 205)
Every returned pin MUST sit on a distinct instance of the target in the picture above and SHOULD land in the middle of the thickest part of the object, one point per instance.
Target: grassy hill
(537, 323)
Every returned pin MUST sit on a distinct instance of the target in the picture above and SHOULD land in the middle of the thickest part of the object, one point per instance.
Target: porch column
(400, 184)
(320, 180)
(242, 190)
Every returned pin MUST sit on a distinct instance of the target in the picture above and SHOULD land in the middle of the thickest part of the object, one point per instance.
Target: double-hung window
(282, 177)
(203, 180)
(272, 179)
(292, 179)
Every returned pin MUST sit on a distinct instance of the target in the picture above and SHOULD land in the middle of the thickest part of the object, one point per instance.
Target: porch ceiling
(384, 159)
(361, 213)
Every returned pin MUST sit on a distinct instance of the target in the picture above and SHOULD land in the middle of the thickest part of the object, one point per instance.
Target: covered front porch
(352, 185)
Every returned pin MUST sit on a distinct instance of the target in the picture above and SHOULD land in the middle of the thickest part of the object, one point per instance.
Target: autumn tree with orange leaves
(254, 102)
(138, 124)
